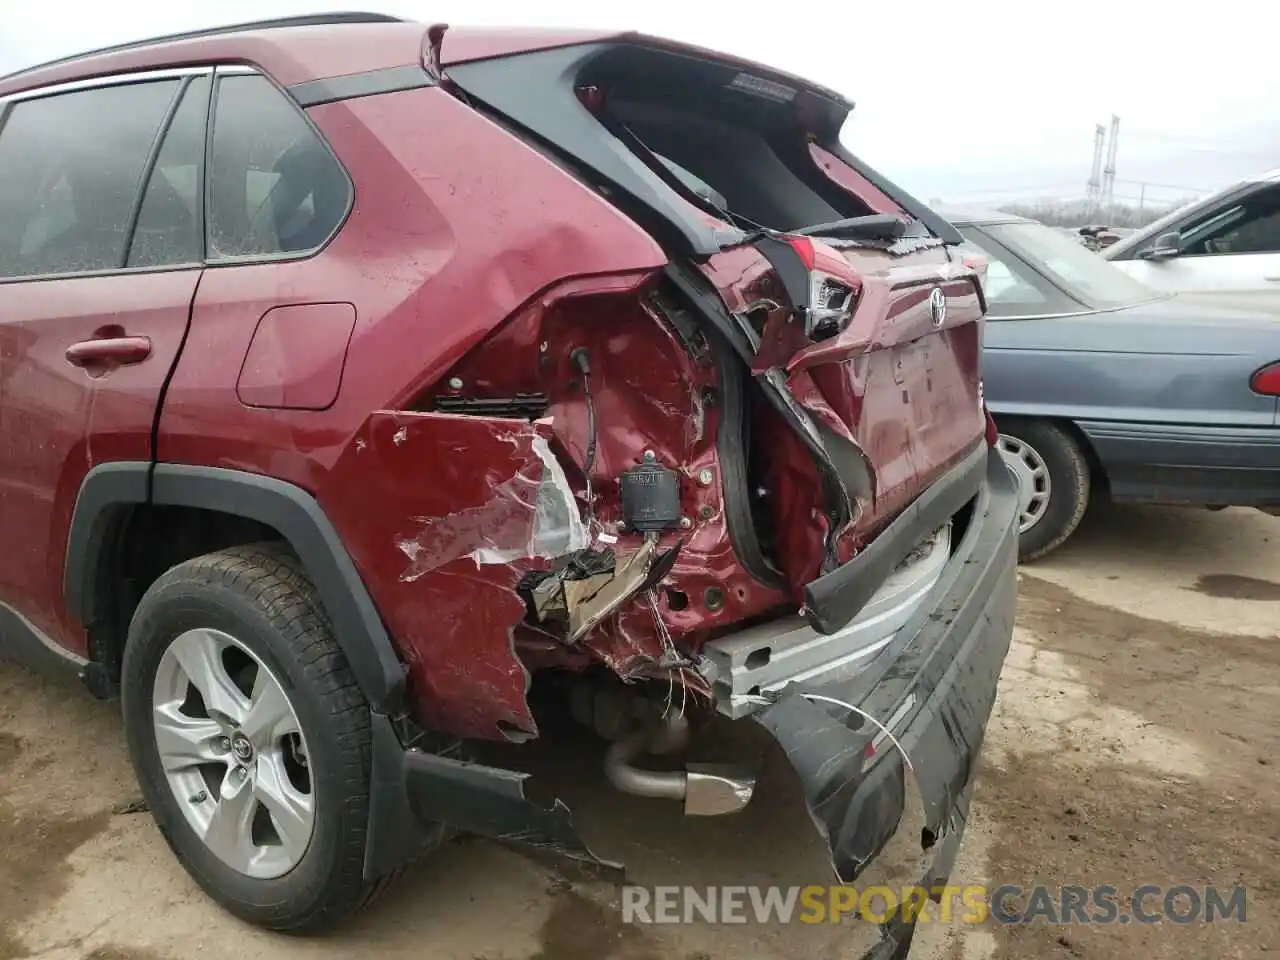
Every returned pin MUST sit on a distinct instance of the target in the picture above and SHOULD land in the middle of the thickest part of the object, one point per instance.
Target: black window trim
(185, 74)
(1195, 212)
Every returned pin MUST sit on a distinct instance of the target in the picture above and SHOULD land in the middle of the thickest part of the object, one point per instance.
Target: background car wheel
(250, 738)
(1053, 484)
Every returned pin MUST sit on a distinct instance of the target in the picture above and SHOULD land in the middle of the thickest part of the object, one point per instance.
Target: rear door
(99, 260)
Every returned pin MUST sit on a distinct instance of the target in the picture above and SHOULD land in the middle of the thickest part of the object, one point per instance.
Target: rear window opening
(741, 142)
(699, 150)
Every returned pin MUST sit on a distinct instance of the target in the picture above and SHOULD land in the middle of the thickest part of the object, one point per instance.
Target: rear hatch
(845, 300)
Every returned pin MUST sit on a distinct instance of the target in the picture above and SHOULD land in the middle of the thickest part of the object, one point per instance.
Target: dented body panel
(442, 559)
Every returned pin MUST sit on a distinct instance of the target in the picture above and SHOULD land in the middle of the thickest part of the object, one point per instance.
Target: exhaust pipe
(707, 790)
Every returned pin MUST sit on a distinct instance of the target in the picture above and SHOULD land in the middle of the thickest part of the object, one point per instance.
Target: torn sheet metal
(532, 514)
(444, 515)
(656, 396)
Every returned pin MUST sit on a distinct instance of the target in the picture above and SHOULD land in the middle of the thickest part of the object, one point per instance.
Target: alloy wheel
(233, 753)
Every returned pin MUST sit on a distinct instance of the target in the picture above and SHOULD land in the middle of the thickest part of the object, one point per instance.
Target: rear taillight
(1267, 380)
(831, 298)
(803, 247)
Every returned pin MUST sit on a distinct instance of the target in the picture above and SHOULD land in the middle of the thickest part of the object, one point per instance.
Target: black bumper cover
(945, 663)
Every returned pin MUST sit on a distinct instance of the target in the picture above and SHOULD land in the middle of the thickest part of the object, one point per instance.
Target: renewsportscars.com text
(971, 904)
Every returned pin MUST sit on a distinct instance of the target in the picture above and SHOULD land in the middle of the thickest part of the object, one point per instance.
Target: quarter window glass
(168, 230)
(275, 188)
(70, 170)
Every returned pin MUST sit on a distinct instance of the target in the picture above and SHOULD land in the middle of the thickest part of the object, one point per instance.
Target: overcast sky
(973, 102)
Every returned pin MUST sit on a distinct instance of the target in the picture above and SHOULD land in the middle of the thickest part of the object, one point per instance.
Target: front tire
(1053, 483)
(250, 737)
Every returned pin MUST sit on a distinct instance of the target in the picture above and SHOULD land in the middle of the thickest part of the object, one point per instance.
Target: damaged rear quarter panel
(439, 512)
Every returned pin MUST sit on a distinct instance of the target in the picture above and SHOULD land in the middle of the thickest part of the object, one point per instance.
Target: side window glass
(1250, 226)
(71, 167)
(274, 186)
(1258, 235)
(168, 228)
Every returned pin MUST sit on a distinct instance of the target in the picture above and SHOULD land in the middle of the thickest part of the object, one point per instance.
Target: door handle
(109, 350)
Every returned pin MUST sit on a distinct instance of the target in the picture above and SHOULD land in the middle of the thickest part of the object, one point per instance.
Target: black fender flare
(110, 489)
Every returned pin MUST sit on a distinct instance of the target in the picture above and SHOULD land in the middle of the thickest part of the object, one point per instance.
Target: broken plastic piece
(491, 802)
(578, 579)
(627, 581)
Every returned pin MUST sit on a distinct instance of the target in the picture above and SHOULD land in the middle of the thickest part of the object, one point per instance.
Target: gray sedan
(1100, 384)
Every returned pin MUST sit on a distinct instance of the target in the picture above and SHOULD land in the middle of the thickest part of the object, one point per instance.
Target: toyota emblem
(938, 305)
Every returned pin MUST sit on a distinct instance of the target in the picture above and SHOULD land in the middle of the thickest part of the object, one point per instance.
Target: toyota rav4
(359, 376)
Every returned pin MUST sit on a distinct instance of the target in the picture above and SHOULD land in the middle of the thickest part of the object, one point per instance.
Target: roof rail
(306, 20)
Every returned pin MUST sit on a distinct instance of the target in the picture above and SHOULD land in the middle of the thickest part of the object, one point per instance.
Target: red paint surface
(57, 421)
(649, 396)
(434, 284)
(904, 392)
(851, 180)
(296, 356)
(429, 278)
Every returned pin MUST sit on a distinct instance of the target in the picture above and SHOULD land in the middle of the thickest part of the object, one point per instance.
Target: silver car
(1099, 384)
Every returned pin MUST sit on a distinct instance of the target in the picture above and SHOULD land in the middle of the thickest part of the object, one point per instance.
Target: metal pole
(1095, 174)
(1109, 174)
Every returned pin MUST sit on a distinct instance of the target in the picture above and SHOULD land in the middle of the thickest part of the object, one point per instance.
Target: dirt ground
(1134, 741)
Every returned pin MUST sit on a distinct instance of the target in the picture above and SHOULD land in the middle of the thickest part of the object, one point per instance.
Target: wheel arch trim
(111, 489)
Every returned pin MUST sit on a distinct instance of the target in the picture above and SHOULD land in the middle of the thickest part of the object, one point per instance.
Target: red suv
(358, 377)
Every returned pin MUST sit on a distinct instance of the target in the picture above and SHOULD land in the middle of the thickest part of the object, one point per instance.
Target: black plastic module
(650, 498)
